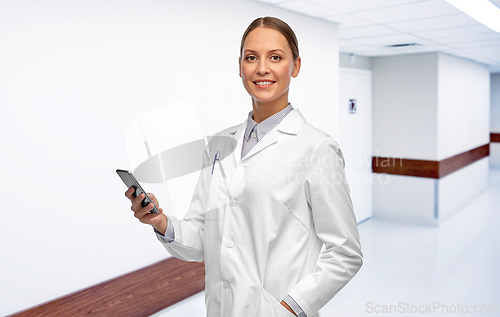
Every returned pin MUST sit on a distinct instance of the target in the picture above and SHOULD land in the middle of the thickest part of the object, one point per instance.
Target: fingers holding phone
(143, 211)
(144, 214)
(145, 208)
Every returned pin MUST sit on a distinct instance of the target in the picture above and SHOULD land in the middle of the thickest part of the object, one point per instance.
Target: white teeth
(261, 83)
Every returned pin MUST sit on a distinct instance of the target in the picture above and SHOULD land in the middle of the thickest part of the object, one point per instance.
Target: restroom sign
(352, 106)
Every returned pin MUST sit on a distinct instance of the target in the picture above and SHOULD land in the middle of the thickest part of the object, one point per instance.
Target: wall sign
(352, 106)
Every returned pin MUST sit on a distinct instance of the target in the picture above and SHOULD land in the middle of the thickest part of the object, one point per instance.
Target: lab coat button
(229, 244)
(232, 202)
(226, 284)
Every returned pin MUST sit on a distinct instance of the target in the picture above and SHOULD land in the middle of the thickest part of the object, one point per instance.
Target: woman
(261, 213)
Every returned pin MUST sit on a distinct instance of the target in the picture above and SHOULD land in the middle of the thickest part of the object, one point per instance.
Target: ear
(239, 63)
(296, 67)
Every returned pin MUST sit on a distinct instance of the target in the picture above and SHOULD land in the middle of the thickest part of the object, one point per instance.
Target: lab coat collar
(266, 125)
(291, 124)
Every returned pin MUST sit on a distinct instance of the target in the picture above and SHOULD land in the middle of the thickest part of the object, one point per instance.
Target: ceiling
(367, 27)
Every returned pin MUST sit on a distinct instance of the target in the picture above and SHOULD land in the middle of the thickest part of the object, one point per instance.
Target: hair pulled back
(278, 25)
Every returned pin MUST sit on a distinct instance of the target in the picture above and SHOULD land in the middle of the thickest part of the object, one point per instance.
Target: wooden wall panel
(494, 137)
(454, 163)
(405, 167)
(427, 168)
(140, 293)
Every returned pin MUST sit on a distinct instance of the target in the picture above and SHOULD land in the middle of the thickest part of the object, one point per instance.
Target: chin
(264, 97)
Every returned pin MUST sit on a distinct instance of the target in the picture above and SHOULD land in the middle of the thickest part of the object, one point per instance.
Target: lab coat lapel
(290, 124)
(271, 137)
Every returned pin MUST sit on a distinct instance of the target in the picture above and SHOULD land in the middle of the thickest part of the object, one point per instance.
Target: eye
(250, 58)
(276, 57)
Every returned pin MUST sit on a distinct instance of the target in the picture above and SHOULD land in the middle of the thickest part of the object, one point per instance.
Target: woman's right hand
(158, 221)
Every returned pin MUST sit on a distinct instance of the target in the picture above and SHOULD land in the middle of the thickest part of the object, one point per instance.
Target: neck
(263, 110)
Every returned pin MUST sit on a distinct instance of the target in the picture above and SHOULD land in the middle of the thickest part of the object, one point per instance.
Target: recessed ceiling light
(483, 11)
(405, 47)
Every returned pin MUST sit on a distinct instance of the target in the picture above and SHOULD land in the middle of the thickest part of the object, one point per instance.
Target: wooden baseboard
(140, 293)
(427, 168)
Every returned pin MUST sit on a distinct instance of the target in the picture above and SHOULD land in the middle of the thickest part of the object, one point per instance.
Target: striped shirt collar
(267, 125)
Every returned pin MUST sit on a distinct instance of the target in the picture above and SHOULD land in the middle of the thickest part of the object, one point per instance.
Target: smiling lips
(263, 83)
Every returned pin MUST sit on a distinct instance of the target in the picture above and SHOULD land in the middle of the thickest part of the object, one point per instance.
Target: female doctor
(262, 211)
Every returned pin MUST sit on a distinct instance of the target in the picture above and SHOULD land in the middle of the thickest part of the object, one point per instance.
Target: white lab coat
(260, 229)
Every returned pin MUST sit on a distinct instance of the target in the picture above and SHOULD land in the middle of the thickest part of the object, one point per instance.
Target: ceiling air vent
(405, 47)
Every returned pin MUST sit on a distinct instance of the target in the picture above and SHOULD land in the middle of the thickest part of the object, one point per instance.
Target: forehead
(266, 38)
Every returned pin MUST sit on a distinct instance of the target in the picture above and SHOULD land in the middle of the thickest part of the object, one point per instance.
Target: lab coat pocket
(278, 309)
(216, 187)
(289, 210)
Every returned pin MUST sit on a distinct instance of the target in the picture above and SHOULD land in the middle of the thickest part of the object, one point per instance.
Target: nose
(262, 68)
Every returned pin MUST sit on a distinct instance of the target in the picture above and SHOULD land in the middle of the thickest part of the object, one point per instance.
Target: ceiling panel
(457, 31)
(308, 8)
(348, 21)
(366, 27)
(359, 5)
(476, 44)
(494, 49)
(467, 56)
(451, 50)
(470, 38)
(477, 58)
(366, 31)
(412, 11)
(432, 48)
(380, 52)
(343, 43)
(487, 61)
(492, 55)
(357, 48)
(393, 40)
(455, 53)
(490, 60)
(441, 22)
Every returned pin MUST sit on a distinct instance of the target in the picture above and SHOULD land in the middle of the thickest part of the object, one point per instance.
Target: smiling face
(266, 67)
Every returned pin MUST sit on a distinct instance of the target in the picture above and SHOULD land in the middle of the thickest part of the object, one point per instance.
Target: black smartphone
(130, 181)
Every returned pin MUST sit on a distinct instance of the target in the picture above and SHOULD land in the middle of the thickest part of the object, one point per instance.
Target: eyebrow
(271, 51)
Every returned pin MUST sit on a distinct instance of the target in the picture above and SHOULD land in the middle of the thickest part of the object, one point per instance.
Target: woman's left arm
(335, 225)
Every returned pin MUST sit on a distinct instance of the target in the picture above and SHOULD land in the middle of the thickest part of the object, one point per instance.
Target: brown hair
(278, 25)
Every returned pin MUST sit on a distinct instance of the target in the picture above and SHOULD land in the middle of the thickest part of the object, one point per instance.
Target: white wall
(405, 198)
(495, 103)
(463, 124)
(405, 106)
(459, 188)
(425, 200)
(429, 106)
(74, 76)
(359, 62)
(495, 155)
(356, 137)
(464, 105)
(495, 118)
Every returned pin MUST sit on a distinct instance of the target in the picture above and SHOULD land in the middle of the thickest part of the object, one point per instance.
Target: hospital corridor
(308, 158)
